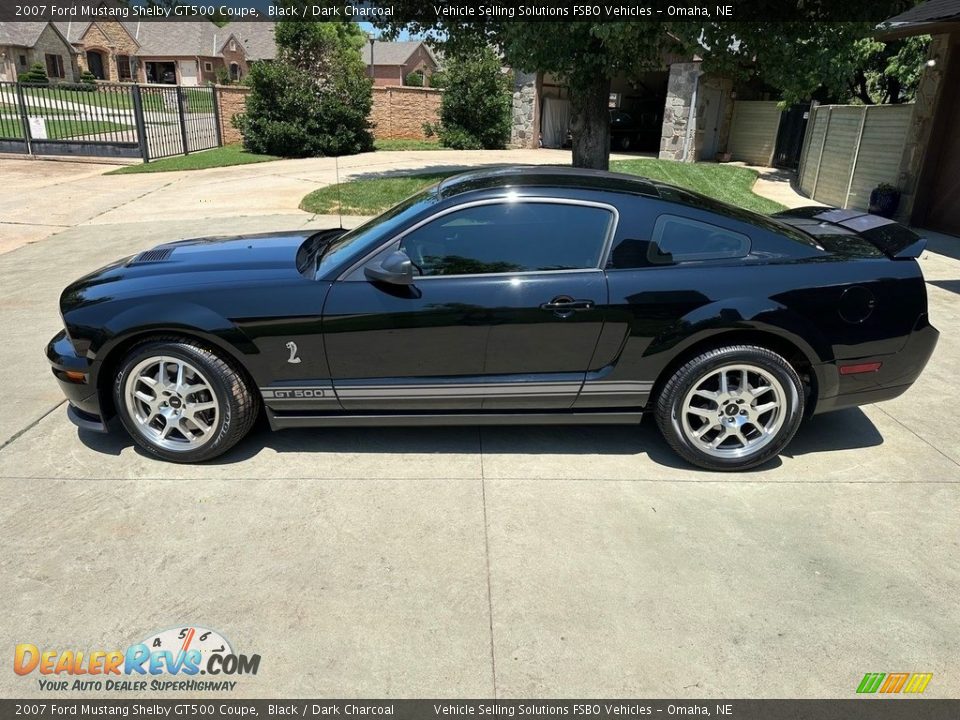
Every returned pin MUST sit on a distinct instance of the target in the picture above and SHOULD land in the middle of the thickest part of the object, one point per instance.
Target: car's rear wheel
(182, 402)
(731, 408)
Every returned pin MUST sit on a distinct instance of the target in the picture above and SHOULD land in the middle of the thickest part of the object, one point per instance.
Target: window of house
(233, 46)
(23, 60)
(511, 237)
(234, 72)
(679, 239)
(124, 71)
(54, 66)
(207, 66)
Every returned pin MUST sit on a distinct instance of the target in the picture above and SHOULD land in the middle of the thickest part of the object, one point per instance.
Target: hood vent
(152, 256)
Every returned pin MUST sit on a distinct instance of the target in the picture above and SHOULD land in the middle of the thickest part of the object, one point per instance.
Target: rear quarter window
(679, 239)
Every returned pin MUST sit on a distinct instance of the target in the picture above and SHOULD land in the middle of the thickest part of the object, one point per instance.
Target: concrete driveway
(464, 562)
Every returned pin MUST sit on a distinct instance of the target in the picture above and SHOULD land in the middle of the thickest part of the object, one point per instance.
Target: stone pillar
(675, 142)
(232, 100)
(525, 114)
(921, 124)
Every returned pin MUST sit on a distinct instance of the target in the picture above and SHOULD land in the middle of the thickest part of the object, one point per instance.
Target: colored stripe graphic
(894, 682)
(870, 682)
(918, 682)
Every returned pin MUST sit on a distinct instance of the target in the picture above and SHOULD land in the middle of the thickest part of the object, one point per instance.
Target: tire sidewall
(189, 354)
(693, 373)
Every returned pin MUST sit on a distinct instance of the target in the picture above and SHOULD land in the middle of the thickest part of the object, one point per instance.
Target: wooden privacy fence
(850, 149)
(753, 131)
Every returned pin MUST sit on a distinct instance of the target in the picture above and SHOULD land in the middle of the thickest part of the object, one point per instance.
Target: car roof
(545, 176)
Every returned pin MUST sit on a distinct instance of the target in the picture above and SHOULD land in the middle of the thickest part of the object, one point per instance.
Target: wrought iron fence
(108, 119)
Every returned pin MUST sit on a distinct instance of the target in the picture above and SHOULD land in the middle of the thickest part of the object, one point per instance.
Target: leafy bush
(223, 76)
(475, 110)
(36, 75)
(438, 79)
(314, 100)
(413, 79)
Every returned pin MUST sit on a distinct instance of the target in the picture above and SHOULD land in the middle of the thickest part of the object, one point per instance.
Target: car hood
(192, 264)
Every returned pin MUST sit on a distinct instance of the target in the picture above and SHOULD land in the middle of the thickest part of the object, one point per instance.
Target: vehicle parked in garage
(518, 295)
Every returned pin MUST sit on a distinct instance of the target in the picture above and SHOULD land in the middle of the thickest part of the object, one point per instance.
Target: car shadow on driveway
(844, 430)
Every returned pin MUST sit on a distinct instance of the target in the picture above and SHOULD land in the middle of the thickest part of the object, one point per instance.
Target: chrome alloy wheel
(734, 411)
(171, 403)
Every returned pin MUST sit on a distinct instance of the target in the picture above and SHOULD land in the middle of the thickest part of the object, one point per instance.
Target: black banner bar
(874, 708)
(430, 11)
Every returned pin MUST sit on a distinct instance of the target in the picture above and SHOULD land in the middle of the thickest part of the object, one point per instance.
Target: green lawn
(61, 128)
(368, 197)
(723, 182)
(407, 145)
(199, 100)
(218, 157)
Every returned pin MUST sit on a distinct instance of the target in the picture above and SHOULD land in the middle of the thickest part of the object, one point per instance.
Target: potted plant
(884, 200)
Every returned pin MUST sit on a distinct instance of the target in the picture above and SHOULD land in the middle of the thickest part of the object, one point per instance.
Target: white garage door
(188, 72)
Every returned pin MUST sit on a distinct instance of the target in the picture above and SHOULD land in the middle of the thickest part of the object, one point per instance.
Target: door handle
(565, 306)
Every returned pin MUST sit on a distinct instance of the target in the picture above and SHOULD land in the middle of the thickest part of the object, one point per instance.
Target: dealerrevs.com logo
(168, 661)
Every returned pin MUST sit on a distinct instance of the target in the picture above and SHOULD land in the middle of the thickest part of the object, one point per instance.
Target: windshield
(368, 236)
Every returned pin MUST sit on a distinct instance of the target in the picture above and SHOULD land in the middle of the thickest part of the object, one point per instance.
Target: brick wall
(232, 100)
(400, 112)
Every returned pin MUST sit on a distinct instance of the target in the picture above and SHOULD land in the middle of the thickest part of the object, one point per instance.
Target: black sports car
(508, 296)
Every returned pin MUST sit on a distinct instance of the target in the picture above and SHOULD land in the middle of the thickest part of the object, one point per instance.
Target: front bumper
(84, 409)
(897, 373)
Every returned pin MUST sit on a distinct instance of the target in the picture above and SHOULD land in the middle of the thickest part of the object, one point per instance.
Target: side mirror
(396, 269)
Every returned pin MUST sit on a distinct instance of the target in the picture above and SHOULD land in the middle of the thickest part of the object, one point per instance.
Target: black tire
(238, 403)
(701, 369)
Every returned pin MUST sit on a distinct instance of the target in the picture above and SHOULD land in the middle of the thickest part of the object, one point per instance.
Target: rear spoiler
(891, 238)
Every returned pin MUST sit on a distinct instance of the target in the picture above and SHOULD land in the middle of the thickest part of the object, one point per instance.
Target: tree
(36, 75)
(475, 109)
(835, 61)
(314, 99)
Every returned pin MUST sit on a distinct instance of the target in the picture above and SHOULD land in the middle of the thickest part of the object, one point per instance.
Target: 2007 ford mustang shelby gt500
(507, 296)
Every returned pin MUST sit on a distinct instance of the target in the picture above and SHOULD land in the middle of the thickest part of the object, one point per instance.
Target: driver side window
(510, 237)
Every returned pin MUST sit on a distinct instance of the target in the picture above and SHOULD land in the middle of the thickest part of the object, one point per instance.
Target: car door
(504, 311)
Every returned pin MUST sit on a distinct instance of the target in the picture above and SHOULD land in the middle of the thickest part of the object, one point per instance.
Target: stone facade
(678, 137)
(918, 136)
(525, 113)
(231, 100)
(15, 61)
(112, 41)
(401, 112)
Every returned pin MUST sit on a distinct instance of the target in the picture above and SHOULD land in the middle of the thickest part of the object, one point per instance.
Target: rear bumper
(898, 371)
(84, 409)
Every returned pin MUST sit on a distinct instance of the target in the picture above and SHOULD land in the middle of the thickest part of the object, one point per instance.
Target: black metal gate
(793, 125)
(108, 119)
(179, 120)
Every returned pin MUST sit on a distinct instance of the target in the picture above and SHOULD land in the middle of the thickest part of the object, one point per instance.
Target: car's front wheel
(182, 402)
(731, 408)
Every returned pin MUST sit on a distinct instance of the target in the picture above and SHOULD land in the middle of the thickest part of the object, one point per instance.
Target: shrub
(475, 110)
(414, 79)
(438, 79)
(223, 76)
(287, 114)
(36, 75)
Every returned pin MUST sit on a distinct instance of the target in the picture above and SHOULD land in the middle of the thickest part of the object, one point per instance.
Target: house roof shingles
(178, 39)
(392, 53)
(21, 34)
(933, 15)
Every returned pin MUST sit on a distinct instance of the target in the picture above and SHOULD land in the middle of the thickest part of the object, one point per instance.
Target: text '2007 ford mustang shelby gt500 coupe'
(506, 296)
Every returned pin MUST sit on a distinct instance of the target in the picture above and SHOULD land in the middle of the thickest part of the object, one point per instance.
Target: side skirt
(289, 420)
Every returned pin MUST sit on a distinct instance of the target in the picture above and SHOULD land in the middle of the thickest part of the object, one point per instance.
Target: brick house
(24, 43)
(389, 63)
(183, 53)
